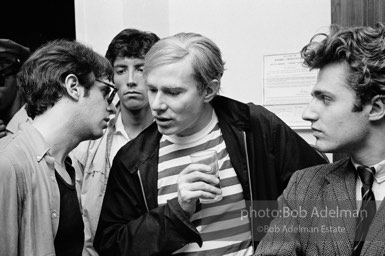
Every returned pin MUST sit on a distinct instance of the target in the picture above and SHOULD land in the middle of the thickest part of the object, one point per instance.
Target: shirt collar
(119, 127)
(20, 117)
(36, 139)
(380, 170)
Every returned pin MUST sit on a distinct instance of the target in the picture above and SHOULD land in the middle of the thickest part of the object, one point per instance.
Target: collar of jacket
(233, 112)
(341, 170)
(228, 111)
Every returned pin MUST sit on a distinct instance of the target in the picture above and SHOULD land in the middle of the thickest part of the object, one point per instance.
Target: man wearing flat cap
(12, 56)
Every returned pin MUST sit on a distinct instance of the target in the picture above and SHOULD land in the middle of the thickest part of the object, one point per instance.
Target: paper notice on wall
(286, 87)
(290, 114)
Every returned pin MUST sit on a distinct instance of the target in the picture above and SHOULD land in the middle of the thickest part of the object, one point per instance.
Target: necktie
(368, 207)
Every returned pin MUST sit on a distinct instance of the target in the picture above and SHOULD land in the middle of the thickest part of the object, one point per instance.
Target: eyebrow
(318, 93)
(121, 66)
(166, 87)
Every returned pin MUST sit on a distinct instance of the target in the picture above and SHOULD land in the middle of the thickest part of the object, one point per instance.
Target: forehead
(125, 61)
(175, 74)
(332, 78)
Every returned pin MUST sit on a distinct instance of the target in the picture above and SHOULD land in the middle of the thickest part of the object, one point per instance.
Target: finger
(2, 134)
(196, 167)
(191, 197)
(198, 176)
(200, 186)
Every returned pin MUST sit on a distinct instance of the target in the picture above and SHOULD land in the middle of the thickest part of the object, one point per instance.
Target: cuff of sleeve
(193, 233)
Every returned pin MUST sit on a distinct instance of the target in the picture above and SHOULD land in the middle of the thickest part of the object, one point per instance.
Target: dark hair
(204, 55)
(43, 75)
(130, 43)
(362, 48)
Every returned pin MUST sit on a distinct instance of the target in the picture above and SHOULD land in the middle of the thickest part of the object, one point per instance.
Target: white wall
(245, 31)
(98, 21)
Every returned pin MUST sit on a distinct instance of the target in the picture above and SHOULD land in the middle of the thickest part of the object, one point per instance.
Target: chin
(96, 135)
(133, 105)
(325, 148)
(166, 131)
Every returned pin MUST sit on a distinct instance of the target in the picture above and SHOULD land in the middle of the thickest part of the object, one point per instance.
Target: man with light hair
(152, 204)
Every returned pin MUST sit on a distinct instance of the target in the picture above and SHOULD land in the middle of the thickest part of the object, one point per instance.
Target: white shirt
(119, 139)
(378, 184)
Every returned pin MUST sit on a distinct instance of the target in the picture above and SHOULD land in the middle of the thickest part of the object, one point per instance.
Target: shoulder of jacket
(318, 171)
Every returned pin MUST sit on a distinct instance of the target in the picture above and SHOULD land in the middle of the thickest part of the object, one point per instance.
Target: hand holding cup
(210, 158)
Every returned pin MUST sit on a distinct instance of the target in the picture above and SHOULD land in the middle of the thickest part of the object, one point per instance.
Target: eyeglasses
(110, 98)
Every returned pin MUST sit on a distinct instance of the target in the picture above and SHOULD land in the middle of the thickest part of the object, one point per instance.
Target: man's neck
(135, 121)
(56, 131)
(371, 152)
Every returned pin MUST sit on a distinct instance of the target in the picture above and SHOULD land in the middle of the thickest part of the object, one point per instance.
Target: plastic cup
(208, 157)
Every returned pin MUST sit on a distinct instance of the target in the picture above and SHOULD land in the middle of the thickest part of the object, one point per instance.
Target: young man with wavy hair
(341, 203)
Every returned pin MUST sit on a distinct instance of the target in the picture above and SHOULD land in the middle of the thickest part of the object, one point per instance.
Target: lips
(315, 129)
(131, 93)
(162, 120)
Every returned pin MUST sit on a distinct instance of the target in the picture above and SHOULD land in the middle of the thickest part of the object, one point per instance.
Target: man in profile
(68, 97)
(12, 56)
(342, 202)
(152, 201)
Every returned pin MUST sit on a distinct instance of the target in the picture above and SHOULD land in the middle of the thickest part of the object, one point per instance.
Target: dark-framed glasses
(112, 93)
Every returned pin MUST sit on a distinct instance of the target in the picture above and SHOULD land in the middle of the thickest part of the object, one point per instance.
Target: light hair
(204, 55)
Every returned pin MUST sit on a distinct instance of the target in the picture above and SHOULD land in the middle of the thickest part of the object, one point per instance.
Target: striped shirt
(222, 229)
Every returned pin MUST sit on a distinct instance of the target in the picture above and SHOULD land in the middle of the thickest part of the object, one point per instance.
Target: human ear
(211, 90)
(377, 110)
(71, 83)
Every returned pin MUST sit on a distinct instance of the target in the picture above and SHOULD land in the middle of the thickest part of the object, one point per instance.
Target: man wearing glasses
(12, 56)
(68, 98)
(126, 54)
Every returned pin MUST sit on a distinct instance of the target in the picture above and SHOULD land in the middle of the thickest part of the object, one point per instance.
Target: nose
(310, 113)
(156, 101)
(130, 77)
(111, 108)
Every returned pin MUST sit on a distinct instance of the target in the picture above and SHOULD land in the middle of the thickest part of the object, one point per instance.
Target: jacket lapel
(375, 238)
(339, 195)
(233, 124)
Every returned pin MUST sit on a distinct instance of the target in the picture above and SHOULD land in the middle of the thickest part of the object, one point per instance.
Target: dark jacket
(131, 223)
(326, 198)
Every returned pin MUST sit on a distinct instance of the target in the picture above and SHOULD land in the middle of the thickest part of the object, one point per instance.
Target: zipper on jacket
(250, 188)
(143, 194)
